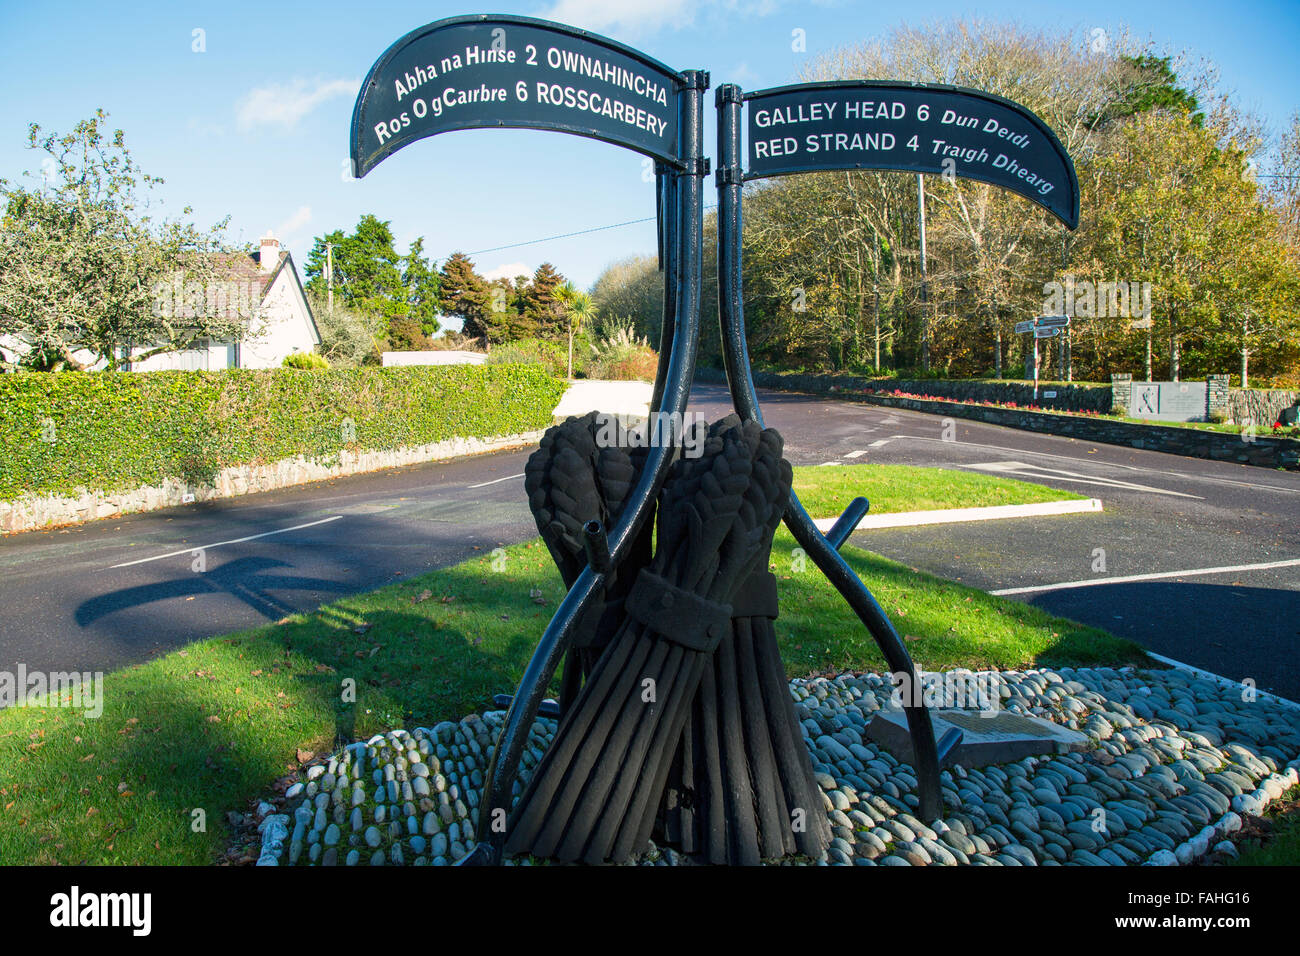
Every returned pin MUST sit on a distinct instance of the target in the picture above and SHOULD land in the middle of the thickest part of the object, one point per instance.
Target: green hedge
(112, 432)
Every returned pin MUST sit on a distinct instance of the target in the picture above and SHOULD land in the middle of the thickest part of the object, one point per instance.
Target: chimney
(269, 256)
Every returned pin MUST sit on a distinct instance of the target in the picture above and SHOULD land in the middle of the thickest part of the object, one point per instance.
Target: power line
(570, 235)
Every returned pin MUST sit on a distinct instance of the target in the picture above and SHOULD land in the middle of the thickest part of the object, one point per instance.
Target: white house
(283, 324)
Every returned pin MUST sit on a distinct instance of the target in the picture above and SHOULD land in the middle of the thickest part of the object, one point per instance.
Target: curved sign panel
(469, 72)
(944, 130)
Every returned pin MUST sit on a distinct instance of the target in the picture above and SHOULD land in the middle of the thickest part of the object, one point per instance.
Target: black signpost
(535, 74)
(481, 71)
(501, 71)
(867, 124)
(917, 128)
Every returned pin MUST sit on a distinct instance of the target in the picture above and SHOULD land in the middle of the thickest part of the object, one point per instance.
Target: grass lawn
(211, 727)
(825, 491)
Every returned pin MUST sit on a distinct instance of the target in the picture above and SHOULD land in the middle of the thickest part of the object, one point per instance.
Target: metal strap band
(756, 596)
(676, 614)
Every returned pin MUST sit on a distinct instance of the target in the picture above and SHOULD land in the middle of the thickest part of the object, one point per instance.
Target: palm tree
(577, 310)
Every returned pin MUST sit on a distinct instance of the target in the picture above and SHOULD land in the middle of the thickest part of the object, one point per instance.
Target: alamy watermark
(1084, 299)
(947, 690)
(177, 298)
(74, 690)
(661, 430)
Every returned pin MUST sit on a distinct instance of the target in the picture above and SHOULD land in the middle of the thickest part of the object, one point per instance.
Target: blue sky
(257, 125)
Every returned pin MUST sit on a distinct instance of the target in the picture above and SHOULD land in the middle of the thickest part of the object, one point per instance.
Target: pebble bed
(1175, 760)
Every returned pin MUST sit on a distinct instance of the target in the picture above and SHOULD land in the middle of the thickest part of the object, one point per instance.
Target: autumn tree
(86, 266)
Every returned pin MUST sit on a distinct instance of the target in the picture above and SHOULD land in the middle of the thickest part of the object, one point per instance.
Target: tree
(631, 289)
(85, 266)
(405, 335)
(1283, 185)
(348, 337)
(420, 282)
(578, 311)
(1184, 215)
(540, 302)
(465, 295)
(1150, 82)
(371, 276)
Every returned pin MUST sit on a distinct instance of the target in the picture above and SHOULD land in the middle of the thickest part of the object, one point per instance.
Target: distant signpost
(1043, 327)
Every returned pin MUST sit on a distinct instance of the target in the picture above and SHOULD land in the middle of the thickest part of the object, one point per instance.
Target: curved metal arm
(494, 808)
(667, 190)
(740, 382)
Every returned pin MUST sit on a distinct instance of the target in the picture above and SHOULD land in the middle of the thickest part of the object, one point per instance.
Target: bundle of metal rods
(686, 689)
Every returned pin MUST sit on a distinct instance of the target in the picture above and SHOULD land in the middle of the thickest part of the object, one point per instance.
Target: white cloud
(509, 270)
(284, 104)
(631, 16)
(742, 75)
(295, 222)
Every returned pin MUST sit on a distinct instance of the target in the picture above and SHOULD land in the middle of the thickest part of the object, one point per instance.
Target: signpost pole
(1036, 365)
(666, 188)
(556, 640)
(925, 291)
(740, 382)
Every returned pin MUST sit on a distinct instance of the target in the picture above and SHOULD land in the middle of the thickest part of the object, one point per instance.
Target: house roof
(248, 266)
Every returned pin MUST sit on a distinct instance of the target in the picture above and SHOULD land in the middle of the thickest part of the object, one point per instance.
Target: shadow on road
(1237, 631)
(249, 579)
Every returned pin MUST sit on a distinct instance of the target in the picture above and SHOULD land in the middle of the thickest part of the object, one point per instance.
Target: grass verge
(1274, 838)
(891, 489)
(191, 736)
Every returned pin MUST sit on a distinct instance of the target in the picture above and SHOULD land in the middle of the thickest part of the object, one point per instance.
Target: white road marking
(1057, 474)
(205, 547)
(880, 441)
(908, 519)
(1154, 576)
(828, 464)
(484, 484)
(858, 454)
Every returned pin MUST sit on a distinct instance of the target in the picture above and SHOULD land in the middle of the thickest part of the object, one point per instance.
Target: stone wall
(1071, 398)
(1191, 442)
(1259, 406)
(43, 511)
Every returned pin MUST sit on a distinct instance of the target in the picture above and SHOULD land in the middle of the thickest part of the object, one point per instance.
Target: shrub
(406, 335)
(622, 356)
(552, 356)
(61, 432)
(305, 360)
(348, 337)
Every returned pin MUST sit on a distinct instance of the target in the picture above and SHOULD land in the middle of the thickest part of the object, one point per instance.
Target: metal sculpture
(718, 765)
(684, 725)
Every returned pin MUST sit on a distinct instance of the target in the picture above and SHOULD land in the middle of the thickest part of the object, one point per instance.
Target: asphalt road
(119, 591)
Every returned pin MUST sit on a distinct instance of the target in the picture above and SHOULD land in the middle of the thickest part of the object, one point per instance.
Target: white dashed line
(1154, 576)
(205, 547)
(484, 484)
